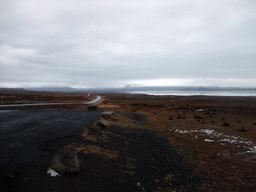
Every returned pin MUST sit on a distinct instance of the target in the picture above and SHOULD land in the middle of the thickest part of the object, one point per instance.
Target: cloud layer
(114, 43)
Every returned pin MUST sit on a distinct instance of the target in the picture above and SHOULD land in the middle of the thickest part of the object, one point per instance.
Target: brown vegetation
(206, 130)
(216, 135)
(27, 97)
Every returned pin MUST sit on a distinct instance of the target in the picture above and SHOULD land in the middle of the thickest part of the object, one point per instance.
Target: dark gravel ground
(151, 156)
(23, 132)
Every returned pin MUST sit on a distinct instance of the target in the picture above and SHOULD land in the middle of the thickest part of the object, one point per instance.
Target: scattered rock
(94, 134)
(210, 113)
(94, 130)
(226, 124)
(198, 117)
(93, 107)
(213, 121)
(170, 118)
(203, 122)
(242, 129)
(65, 161)
(180, 117)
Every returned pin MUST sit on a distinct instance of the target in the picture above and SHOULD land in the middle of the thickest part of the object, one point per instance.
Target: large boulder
(93, 107)
(102, 123)
(108, 115)
(66, 161)
(94, 134)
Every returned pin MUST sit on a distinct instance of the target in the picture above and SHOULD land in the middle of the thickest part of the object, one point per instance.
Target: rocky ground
(163, 143)
(216, 135)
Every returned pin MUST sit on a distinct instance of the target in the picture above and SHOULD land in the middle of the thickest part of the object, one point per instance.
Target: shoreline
(220, 94)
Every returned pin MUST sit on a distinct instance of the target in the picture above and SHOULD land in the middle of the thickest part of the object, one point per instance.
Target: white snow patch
(208, 140)
(236, 140)
(182, 131)
(225, 153)
(247, 146)
(253, 150)
(52, 173)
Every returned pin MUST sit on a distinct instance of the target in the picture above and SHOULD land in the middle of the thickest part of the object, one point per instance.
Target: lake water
(187, 93)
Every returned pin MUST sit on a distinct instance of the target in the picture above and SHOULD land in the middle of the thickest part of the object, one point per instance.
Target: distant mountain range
(129, 88)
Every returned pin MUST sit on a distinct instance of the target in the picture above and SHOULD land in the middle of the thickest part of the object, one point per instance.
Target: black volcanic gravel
(152, 156)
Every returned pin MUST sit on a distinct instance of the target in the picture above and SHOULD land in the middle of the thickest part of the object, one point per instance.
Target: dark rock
(66, 161)
(93, 129)
(203, 122)
(213, 121)
(94, 134)
(180, 116)
(108, 115)
(210, 113)
(226, 124)
(242, 129)
(223, 119)
(198, 117)
(170, 118)
(102, 122)
(93, 107)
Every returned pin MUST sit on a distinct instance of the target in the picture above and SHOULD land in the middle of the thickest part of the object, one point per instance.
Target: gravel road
(23, 132)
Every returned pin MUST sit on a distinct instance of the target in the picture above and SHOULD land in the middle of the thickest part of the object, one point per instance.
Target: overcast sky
(100, 43)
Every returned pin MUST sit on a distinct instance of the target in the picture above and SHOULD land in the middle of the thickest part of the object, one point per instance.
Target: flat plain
(214, 137)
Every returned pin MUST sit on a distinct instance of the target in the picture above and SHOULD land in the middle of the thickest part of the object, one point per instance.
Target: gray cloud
(114, 43)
